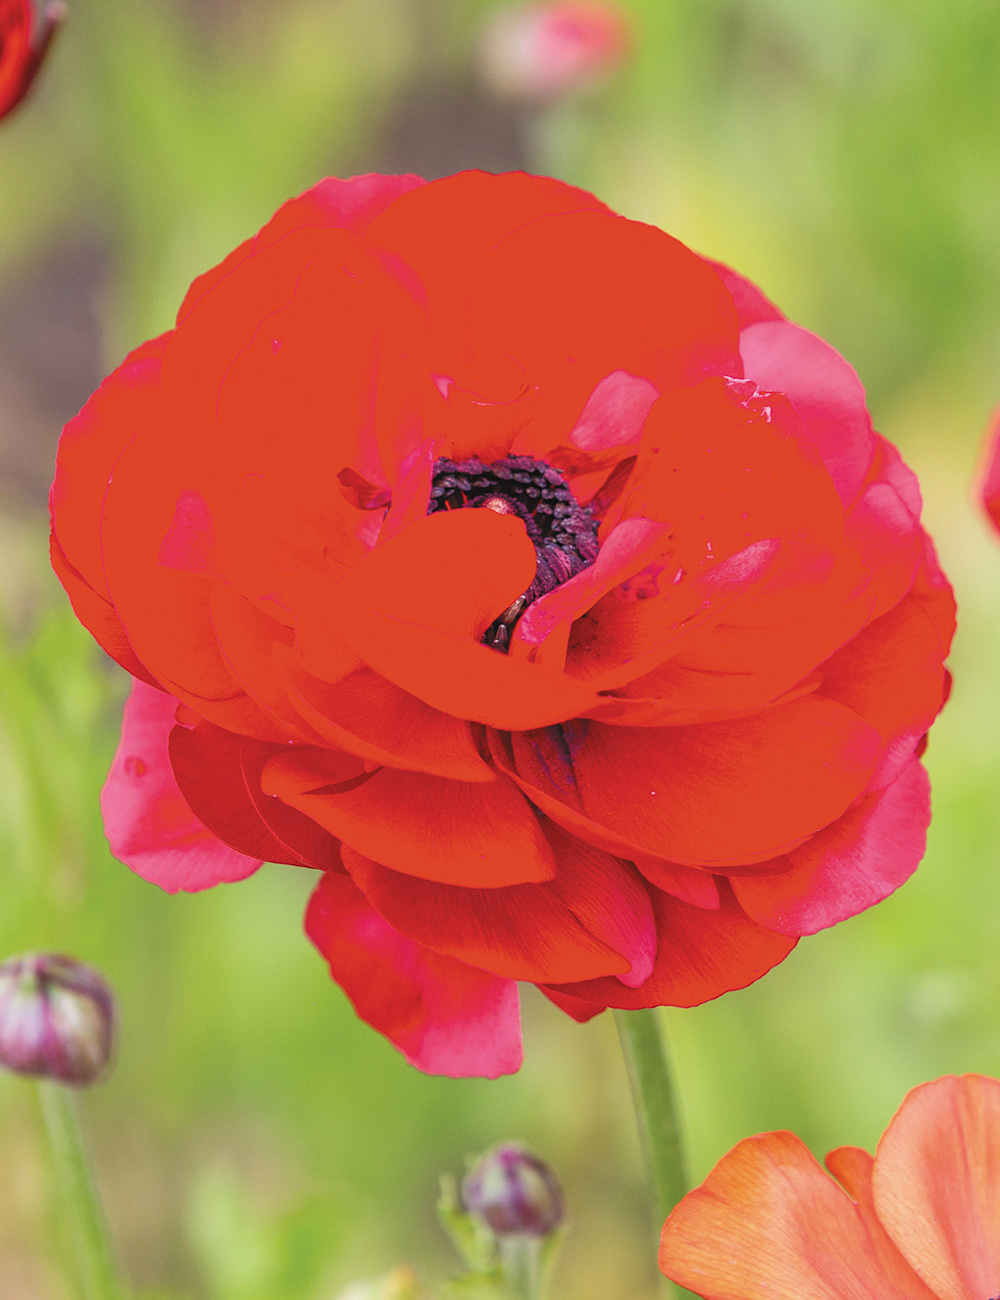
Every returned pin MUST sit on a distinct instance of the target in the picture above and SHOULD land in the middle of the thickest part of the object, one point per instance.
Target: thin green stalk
(521, 1262)
(78, 1203)
(647, 1062)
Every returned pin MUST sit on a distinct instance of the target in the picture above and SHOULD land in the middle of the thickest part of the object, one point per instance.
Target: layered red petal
(444, 1016)
(700, 955)
(483, 835)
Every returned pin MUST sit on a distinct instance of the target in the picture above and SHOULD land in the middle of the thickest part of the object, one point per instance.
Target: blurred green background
(256, 1141)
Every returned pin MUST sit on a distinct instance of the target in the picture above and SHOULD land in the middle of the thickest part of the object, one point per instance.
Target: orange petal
(936, 1185)
(768, 1224)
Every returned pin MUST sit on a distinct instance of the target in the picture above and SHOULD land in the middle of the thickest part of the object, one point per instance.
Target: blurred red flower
(989, 478)
(528, 575)
(22, 47)
(920, 1221)
(543, 51)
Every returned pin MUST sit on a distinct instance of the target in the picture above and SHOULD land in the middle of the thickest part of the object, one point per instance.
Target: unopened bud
(544, 51)
(57, 1019)
(514, 1193)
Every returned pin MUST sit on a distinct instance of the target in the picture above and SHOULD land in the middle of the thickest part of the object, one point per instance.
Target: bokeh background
(257, 1142)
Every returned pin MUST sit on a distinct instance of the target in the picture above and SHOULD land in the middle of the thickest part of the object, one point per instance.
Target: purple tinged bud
(514, 1193)
(57, 1019)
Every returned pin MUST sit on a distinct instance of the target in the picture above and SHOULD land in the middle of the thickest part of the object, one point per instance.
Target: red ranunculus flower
(920, 1221)
(22, 48)
(527, 574)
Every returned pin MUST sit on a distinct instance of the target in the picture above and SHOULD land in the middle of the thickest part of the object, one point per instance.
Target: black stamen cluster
(563, 531)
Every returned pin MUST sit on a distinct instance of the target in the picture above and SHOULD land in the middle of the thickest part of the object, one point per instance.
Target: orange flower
(920, 1221)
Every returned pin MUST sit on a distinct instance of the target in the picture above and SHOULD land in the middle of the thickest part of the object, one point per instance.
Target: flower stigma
(563, 532)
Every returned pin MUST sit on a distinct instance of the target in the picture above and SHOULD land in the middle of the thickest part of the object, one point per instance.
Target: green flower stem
(78, 1202)
(521, 1264)
(646, 1060)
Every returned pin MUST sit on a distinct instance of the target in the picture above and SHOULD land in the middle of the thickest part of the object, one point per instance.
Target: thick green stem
(645, 1050)
(78, 1203)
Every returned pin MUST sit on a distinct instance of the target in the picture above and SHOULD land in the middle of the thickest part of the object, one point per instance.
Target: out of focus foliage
(256, 1141)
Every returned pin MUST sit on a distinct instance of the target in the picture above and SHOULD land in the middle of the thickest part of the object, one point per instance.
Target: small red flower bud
(57, 1019)
(543, 51)
(513, 1192)
(23, 46)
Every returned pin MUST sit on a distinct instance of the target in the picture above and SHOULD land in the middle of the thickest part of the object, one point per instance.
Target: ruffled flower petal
(768, 1224)
(445, 1017)
(148, 822)
(853, 864)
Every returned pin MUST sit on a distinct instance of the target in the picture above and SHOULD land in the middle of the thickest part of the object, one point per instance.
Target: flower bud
(514, 1193)
(544, 51)
(57, 1019)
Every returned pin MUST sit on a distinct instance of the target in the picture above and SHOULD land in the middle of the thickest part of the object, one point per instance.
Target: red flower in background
(920, 1221)
(989, 479)
(22, 48)
(531, 577)
(543, 51)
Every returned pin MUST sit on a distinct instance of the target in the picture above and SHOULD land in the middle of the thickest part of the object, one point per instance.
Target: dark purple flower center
(564, 532)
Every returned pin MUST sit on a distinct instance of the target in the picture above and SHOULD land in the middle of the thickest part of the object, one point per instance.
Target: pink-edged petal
(615, 413)
(769, 1224)
(853, 864)
(542, 634)
(751, 304)
(822, 387)
(883, 531)
(148, 822)
(892, 675)
(445, 1017)
(936, 1185)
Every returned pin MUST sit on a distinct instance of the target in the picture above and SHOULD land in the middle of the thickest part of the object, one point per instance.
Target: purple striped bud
(513, 1192)
(57, 1019)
